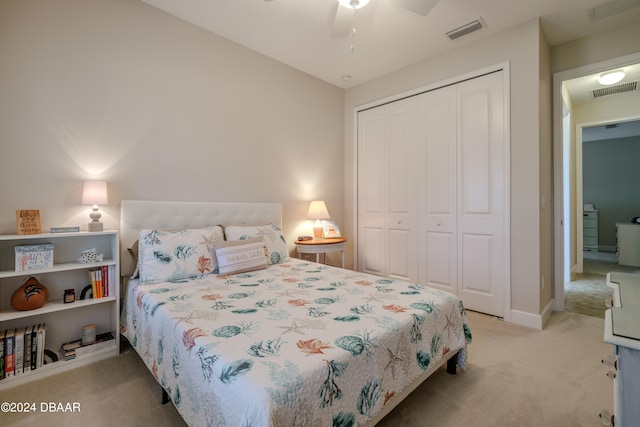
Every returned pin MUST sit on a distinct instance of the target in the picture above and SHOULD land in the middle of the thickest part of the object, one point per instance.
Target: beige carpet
(587, 294)
(516, 377)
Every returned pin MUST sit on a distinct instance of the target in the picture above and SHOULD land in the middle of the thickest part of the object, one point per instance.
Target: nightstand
(318, 246)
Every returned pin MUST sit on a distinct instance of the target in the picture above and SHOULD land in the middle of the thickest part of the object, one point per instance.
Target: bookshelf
(64, 320)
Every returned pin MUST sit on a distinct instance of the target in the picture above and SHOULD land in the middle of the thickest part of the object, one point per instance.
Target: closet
(433, 191)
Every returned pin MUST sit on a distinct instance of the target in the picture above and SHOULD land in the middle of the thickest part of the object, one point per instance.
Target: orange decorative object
(31, 295)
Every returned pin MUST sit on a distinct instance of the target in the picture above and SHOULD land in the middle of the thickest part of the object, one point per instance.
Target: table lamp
(318, 211)
(95, 193)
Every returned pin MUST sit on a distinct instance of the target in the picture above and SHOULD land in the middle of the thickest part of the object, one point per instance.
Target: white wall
(545, 176)
(118, 90)
(521, 47)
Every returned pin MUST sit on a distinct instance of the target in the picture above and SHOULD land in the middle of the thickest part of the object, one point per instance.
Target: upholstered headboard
(138, 214)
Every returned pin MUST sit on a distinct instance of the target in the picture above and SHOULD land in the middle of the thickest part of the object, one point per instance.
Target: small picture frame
(331, 228)
(28, 221)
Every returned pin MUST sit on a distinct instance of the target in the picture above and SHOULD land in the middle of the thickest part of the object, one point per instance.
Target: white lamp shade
(318, 210)
(94, 193)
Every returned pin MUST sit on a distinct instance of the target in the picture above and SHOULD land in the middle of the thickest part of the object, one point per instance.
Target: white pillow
(239, 256)
(173, 255)
(277, 251)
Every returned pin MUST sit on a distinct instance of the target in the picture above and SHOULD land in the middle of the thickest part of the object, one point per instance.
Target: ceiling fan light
(611, 78)
(354, 4)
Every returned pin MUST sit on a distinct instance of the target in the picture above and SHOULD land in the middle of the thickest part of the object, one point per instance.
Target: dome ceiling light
(611, 78)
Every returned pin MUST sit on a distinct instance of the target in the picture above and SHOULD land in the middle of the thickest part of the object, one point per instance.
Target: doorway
(568, 258)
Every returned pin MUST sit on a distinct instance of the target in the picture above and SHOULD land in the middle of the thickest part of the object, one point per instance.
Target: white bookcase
(64, 321)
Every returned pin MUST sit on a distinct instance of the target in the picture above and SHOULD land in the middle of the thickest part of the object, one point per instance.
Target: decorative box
(34, 257)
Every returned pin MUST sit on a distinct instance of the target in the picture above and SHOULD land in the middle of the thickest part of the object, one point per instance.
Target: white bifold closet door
(387, 188)
(431, 191)
(462, 192)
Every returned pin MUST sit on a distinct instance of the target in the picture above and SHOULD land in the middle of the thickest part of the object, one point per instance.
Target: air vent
(466, 29)
(612, 8)
(614, 90)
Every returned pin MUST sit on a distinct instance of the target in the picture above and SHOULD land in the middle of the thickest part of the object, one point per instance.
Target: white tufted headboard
(138, 214)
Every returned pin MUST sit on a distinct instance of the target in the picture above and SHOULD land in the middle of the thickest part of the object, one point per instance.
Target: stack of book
(21, 350)
(73, 349)
(100, 281)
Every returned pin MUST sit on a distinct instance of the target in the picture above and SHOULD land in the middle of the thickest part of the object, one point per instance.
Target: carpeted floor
(587, 295)
(516, 376)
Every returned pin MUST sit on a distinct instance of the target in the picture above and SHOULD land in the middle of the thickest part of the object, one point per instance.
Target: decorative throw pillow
(173, 255)
(238, 256)
(277, 251)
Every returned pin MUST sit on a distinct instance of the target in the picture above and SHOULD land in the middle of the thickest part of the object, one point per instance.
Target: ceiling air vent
(612, 8)
(614, 90)
(466, 29)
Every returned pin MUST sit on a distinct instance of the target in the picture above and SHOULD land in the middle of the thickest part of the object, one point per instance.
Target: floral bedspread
(297, 344)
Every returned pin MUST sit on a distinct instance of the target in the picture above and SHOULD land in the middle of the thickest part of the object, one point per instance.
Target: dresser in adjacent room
(590, 230)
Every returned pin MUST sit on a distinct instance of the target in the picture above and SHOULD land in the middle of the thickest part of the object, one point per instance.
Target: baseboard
(607, 248)
(530, 320)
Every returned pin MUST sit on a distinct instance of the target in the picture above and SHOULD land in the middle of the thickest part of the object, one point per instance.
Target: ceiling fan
(345, 10)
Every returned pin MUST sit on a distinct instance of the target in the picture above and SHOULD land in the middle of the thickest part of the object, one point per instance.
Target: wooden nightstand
(318, 246)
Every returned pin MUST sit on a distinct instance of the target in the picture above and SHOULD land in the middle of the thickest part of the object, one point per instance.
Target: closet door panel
(476, 264)
(372, 154)
(440, 262)
(371, 192)
(475, 149)
(373, 259)
(401, 218)
(437, 250)
(399, 255)
(481, 190)
(387, 167)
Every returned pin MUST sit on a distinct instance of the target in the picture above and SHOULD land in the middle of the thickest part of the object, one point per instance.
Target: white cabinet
(628, 241)
(64, 321)
(590, 230)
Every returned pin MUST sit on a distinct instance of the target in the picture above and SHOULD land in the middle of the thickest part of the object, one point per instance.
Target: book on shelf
(9, 341)
(27, 348)
(73, 349)
(2, 334)
(42, 330)
(34, 347)
(105, 280)
(18, 351)
(100, 281)
(21, 350)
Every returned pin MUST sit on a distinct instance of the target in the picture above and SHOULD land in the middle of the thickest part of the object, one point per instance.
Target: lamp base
(96, 226)
(318, 231)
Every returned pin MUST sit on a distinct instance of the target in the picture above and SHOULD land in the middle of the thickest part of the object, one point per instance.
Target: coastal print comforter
(296, 344)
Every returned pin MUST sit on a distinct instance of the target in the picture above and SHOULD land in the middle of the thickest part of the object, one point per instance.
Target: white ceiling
(389, 37)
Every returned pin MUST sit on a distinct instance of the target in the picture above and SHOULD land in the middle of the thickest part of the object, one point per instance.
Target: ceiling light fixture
(354, 4)
(611, 78)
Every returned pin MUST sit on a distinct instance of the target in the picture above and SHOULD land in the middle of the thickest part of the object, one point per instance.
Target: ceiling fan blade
(421, 7)
(342, 22)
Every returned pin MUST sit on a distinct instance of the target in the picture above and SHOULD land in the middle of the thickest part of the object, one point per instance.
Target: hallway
(587, 293)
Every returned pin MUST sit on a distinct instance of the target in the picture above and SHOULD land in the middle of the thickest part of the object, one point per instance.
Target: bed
(292, 343)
